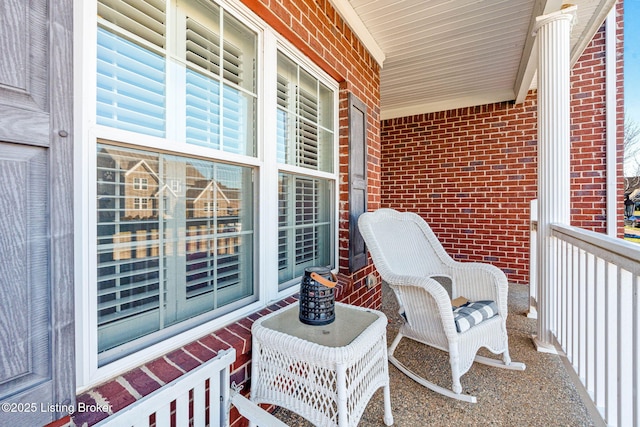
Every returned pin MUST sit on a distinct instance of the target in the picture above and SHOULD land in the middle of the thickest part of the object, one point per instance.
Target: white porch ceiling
(442, 54)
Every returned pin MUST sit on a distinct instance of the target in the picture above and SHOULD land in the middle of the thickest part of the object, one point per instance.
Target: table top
(350, 321)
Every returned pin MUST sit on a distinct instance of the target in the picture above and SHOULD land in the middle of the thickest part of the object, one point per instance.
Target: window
(305, 118)
(140, 183)
(305, 202)
(304, 224)
(140, 203)
(157, 270)
(214, 59)
(178, 157)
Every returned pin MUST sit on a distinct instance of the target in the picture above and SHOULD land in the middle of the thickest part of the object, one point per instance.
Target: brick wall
(471, 172)
(587, 128)
(588, 133)
(588, 121)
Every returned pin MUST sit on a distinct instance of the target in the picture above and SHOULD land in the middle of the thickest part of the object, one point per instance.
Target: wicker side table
(326, 374)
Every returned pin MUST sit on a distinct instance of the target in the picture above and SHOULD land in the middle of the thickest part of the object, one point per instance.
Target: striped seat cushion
(472, 313)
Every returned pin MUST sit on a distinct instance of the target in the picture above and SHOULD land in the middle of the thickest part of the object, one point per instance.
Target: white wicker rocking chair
(410, 258)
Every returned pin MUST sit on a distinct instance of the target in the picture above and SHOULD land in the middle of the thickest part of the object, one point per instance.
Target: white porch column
(552, 32)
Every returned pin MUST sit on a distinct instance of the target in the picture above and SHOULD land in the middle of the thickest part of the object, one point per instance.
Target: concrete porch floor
(542, 395)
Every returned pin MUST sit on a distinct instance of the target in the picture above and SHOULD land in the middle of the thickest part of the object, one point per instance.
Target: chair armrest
(481, 281)
(426, 303)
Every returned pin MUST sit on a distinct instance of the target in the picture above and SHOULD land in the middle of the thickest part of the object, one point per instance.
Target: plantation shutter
(215, 105)
(282, 119)
(357, 180)
(306, 215)
(304, 122)
(131, 92)
(37, 353)
(307, 147)
(304, 224)
(202, 91)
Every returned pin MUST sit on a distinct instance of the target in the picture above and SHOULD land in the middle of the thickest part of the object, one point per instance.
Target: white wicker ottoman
(327, 374)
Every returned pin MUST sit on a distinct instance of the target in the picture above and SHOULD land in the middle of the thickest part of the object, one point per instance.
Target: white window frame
(88, 133)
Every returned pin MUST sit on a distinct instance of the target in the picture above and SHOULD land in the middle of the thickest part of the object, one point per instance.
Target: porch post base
(533, 308)
(543, 347)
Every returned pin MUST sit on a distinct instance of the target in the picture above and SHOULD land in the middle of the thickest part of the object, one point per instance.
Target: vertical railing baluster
(625, 350)
(600, 330)
(163, 415)
(590, 329)
(562, 339)
(533, 273)
(199, 405)
(636, 349)
(611, 363)
(182, 410)
(570, 307)
(575, 309)
(581, 322)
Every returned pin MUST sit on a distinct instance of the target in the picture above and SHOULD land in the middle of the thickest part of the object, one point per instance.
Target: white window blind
(130, 75)
(282, 118)
(144, 19)
(307, 146)
(220, 85)
(304, 224)
(304, 114)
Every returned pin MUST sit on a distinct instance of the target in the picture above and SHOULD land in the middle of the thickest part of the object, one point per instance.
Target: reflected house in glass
(193, 251)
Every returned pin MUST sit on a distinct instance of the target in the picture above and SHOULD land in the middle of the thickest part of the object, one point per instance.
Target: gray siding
(36, 210)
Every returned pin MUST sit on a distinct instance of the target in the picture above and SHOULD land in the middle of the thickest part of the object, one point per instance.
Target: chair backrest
(403, 243)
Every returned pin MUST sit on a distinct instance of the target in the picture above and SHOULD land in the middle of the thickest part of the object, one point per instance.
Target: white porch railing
(595, 317)
(200, 397)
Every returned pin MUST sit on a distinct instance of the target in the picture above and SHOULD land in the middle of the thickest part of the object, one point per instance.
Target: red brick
(117, 396)
(200, 352)
(87, 418)
(164, 370)
(182, 359)
(141, 382)
(213, 343)
(232, 339)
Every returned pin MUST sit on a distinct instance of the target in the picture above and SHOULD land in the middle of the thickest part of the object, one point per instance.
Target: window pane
(326, 107)
(216, 73)
(203, 110)
(304, 224)
(172, 249)
(143, 19)
(305, 118)
(130, 86)
(238, 121)
(287, 73)
(220, 82)
(240, 48)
